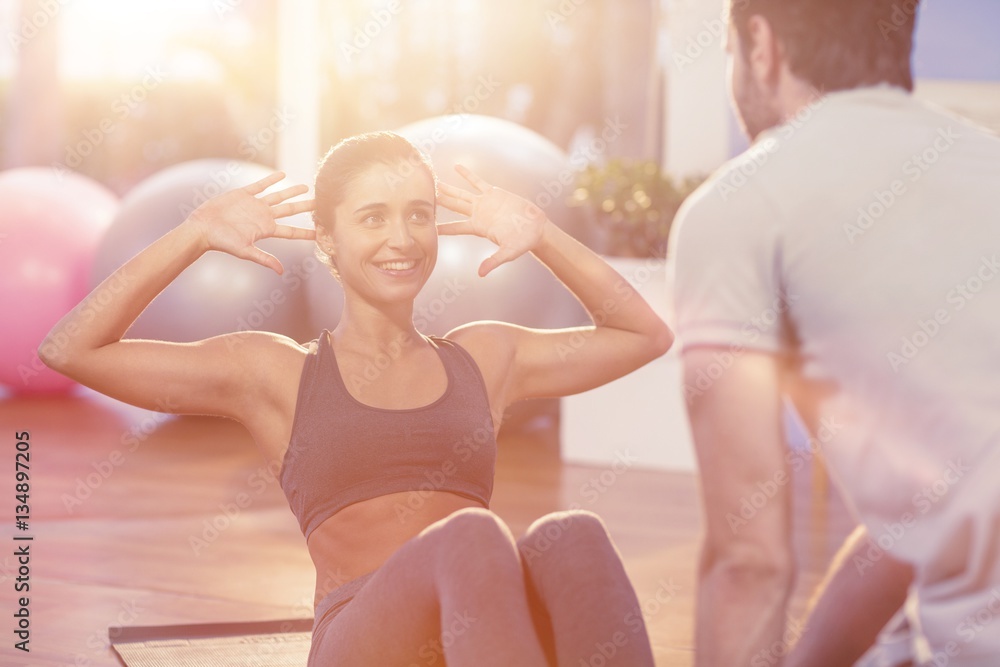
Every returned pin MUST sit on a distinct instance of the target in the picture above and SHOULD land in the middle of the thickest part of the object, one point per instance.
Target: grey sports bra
(342, 451)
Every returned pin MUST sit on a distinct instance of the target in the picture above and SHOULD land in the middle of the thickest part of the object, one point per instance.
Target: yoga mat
(283, 643)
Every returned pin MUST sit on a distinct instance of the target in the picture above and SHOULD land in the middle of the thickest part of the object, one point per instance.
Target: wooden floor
(134, 523)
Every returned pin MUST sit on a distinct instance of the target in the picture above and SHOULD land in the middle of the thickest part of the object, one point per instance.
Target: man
(849, 261)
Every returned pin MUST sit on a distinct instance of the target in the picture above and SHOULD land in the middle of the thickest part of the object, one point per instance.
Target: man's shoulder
(735, 194)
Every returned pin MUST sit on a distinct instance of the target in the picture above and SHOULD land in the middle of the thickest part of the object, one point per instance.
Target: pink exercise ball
(51, 222)
(219, 293)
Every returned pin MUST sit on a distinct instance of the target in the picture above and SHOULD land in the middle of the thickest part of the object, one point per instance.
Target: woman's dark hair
(838, 44)
(353, 156)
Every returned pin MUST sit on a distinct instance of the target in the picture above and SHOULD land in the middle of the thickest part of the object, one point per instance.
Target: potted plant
(634, 203)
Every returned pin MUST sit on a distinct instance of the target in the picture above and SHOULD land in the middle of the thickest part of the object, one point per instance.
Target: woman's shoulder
(484, 334)
(274, 364)
(267, 346)
(489, 343)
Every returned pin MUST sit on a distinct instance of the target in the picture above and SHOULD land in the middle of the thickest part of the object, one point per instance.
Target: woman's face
(384, 237)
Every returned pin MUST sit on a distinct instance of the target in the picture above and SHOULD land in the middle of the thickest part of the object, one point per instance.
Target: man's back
(871, 220)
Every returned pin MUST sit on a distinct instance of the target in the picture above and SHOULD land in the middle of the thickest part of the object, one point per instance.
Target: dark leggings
(465, 593)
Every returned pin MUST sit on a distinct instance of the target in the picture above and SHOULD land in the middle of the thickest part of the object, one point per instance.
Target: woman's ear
(325, 241)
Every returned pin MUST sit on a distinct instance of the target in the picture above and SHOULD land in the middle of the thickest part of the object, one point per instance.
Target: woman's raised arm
(184, 377)
(548, 363)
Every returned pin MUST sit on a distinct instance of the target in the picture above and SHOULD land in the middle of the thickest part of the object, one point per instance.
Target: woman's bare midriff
(359, 538)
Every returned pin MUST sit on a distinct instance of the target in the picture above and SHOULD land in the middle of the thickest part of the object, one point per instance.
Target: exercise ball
(517, 159)
(509, 156)
(50, 224)
(218, 293)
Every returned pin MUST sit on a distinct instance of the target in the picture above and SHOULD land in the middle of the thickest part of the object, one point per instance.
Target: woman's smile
(399, 268)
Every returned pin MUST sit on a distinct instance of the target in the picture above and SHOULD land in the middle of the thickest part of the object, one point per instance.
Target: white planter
(641, 415)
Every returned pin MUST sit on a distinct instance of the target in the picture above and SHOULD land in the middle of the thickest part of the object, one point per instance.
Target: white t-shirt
(862, 239)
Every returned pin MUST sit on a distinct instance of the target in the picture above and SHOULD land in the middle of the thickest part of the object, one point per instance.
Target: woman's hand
(233, 221)
(513, 223)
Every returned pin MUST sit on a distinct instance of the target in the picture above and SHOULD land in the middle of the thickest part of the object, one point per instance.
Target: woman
(390, 477)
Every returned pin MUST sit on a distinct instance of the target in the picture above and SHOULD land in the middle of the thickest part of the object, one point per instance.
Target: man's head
(782, 49)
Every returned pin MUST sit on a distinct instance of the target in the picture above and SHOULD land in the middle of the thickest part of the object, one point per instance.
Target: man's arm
(746, 569)
(858, 597)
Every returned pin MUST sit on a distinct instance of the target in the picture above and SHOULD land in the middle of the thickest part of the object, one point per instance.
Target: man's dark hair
(838, 44)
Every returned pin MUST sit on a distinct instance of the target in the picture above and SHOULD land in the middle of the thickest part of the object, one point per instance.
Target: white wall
(641, 417)
(697, 119)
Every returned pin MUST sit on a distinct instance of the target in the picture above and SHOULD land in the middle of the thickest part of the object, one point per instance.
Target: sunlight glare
(119, 39)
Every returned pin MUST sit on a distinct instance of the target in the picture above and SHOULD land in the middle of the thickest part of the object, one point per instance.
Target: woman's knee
(472, 521)
(559, 532)
(571, 543)
(472, 535)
